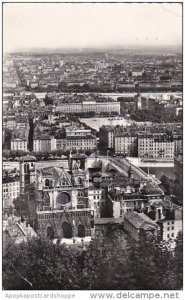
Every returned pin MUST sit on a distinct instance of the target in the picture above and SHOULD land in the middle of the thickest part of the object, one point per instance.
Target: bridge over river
(122, 165)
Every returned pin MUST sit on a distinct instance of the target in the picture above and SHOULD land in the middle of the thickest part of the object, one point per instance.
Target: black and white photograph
(92, 149)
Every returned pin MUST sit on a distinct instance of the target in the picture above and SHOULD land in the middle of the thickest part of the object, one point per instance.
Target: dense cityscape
(77, 161)
(92, 177)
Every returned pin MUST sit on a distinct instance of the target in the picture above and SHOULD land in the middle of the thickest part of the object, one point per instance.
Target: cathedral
(63, 209)
(63, 206)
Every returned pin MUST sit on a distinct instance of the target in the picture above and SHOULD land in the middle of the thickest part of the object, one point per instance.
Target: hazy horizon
(116, 48)
(34, 26)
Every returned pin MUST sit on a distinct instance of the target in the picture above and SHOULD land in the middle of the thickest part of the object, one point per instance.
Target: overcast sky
(60, 25)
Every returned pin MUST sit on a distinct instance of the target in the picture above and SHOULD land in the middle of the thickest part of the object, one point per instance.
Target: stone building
(138, 223)
(63, 206)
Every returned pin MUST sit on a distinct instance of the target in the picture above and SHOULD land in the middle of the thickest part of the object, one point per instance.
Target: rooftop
(27, 158)
(139, 220)
(104, 221)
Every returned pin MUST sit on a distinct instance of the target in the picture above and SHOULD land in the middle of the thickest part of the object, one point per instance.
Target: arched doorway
(67, 230)
(81, 231)
(50, 233)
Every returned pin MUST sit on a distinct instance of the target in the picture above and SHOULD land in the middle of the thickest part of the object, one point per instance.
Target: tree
(39, 264)
(111, 261)
(21, 206)
(48, 100)
(151, 261)
(105, 263)
(6, 153)
(167, 184)
(179, 261)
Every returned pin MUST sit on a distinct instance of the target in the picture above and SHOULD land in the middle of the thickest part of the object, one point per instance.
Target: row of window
(99, 204)
(168, 223)
(99, 109)
(11, 183)
(123, 140)
(13, 189)
(10, 194)
(172, 235)
(172, 228)
(96, 197)
(156, 146)
(72, 147)
(19, 147)
(96, 192)
(19, 142)
(81, 142)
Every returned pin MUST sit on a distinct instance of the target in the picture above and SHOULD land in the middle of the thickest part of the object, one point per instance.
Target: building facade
(126, 144)
(138, 223)
(11, 190)
(44, 144)
(155, 146)
(89, 106)
(63, 206)
(19, 144)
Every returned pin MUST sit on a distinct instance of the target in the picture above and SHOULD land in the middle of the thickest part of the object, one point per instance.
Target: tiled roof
(140, 220)
(58, 174)
(103, 221)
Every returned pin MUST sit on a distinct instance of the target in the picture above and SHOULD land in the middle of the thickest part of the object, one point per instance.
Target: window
(172, 227)
(168, 236)
(172, 234)
(168, 228)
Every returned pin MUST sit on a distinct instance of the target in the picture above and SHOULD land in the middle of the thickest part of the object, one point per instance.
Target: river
(114, 96)
(160, 171)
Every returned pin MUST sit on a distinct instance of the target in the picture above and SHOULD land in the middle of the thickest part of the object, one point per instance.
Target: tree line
(109, 262)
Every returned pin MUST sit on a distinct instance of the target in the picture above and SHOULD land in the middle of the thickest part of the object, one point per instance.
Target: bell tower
(77, 166)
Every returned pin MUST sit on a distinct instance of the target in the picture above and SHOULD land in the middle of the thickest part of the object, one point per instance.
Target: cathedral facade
(63, 207)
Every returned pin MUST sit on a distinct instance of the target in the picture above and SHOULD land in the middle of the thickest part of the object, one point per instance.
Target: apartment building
(96, 201)
(11, 190)
(171, 225)
(11, 122)
(126, 144)
(155, 146)
(44, 144)
(89, 106)
(81, 143)
(75, 131)
(19, 144)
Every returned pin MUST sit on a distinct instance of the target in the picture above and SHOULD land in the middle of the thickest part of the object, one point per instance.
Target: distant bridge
(122, 165)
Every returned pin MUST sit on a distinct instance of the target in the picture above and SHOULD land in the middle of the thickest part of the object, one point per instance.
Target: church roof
(58, 174)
